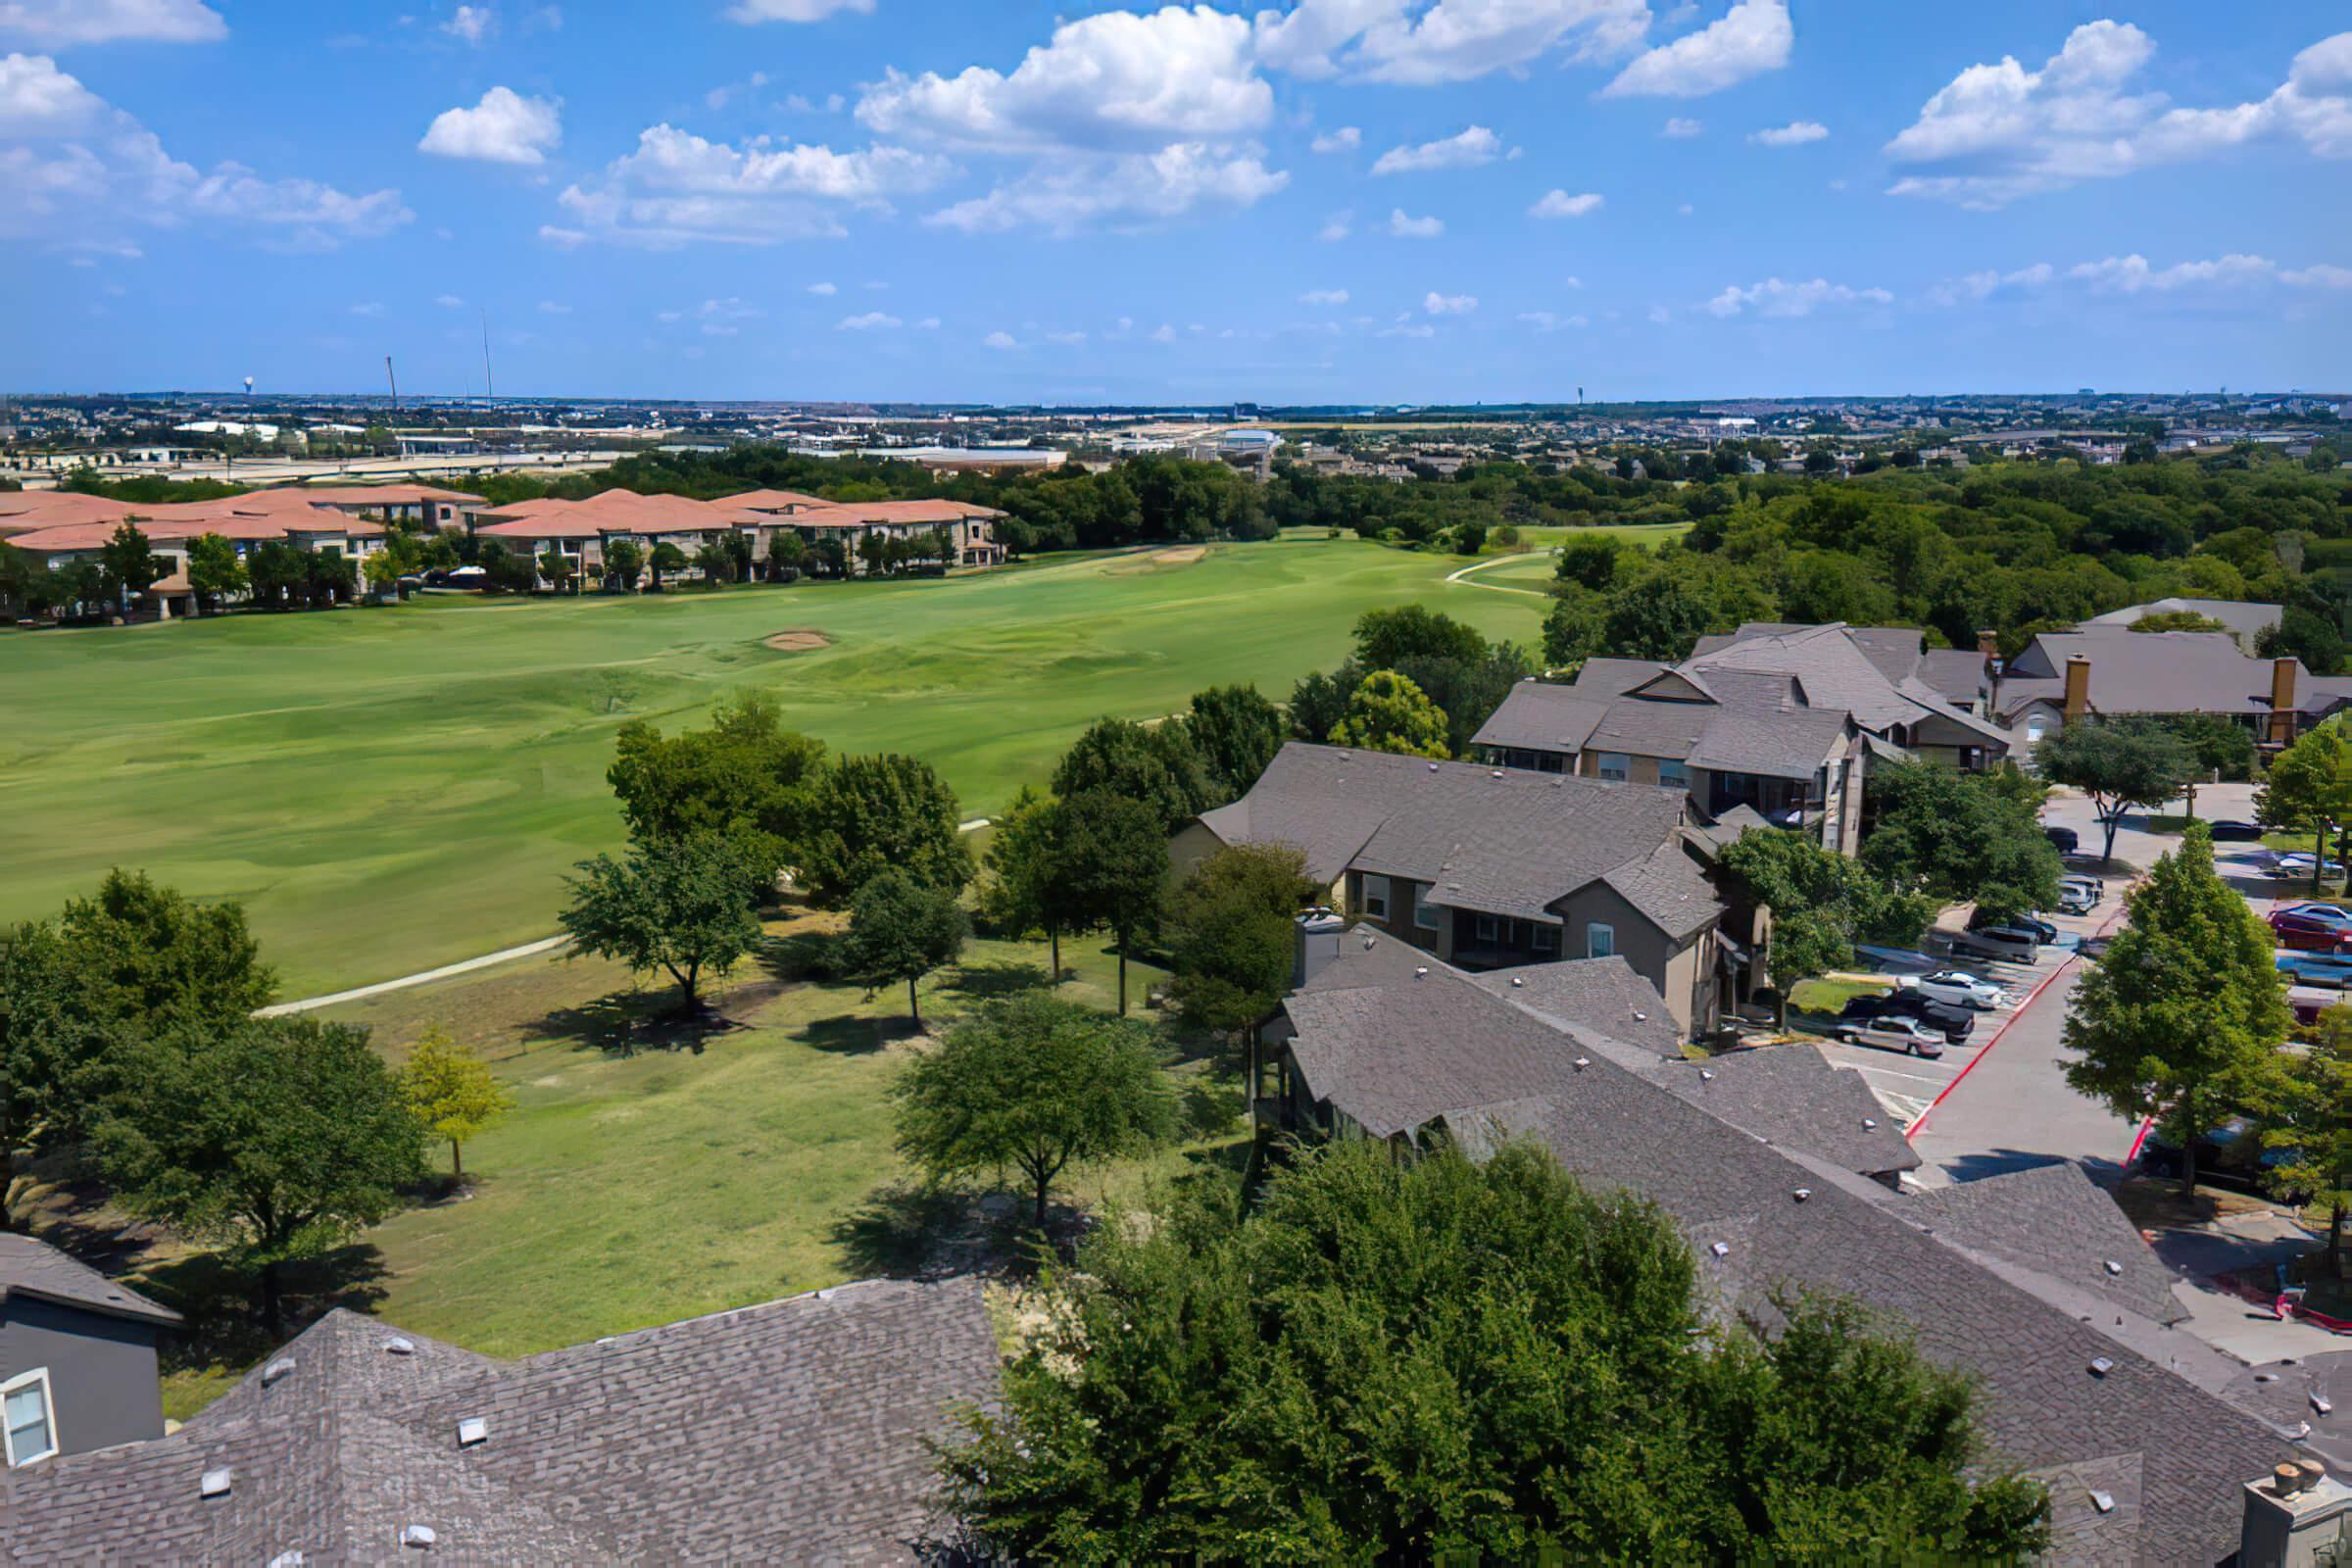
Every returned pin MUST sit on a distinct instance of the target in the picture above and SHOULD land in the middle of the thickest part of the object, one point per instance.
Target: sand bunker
(1183, 556)
(798, 642)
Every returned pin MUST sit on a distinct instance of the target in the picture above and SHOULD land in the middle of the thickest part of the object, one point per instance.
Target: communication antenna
(489, 381)
(395, 380)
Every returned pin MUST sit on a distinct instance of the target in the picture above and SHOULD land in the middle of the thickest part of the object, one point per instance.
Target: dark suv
(1953, 1023)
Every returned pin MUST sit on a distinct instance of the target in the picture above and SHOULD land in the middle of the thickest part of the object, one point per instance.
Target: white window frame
(1425, 913)
(1600, 940)
(1373, 893)
(38, 1377)
(1615, 766)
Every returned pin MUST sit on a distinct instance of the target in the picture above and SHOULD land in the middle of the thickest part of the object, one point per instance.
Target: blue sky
(1330, 200)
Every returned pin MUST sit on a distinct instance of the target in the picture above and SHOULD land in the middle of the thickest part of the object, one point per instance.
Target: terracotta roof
(866, 513)
(771, 500)
(618, 511)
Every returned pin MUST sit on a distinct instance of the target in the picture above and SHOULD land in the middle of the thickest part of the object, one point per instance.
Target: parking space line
(1886, 1072)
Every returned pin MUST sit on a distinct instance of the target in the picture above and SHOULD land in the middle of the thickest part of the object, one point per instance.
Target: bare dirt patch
(797, 642)
(1183, 555)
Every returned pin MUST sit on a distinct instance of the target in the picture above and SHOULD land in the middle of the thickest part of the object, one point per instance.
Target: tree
(868, 813)
(1320, 701)
(1034, 1083)
(1437, 1361)
(279, 572)
(56, 1056)
(1413, 631)
(1230, 934)
(151, 956)
(2303, 634)
(1822, 903)
(682, 906)
(1158, 765)
(329, 577)
(2308, 788)
(382, 574)
(1388, 712)
(213, 570)
(130, 567)
(1575, 630)
(744, 773)
(2180, 1018)
(1589, 560)
(1470, 539)
(278, 1138)
(452, 1092)
(1112, 864)
(1020, 885)
(667, 560)
(1236, 732)
(2305, 1110)
(716, 563)
(623, 563)
(559, 569)
(1960, 837)
(2120, 764)
(901, 929)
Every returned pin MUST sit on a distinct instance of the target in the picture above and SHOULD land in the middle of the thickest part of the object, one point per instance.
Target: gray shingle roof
(1539, 715)
(1602, 993)
(1956, 674)
(1613, 677)
(2054, 1219)
(1793, 1096)
(30, 1267)
(2245, 622)
(795, 1431)
(2151, 672)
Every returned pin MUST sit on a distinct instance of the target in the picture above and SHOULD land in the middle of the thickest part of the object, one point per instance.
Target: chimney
(2294, 1518)
(1988, 643)
(1320, 931)
(2077, 687)
(2282, 700)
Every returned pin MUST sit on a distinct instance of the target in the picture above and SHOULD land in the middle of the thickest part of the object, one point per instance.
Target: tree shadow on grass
(986, 982)
(909, 1233)
(625, 1022)
(802, 955)
(1210, 1109)
(220, 1302)
(859, 1034)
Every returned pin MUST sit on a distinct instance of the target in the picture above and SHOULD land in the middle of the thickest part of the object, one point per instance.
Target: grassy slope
(389, 790)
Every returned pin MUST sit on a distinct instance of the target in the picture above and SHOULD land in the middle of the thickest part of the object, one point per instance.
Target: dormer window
(29, 1419)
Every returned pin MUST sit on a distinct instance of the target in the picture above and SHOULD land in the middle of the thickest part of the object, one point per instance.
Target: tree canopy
(2121, 764)
(1822, 903)
(1111, 860)
(1388, 712)
(1961, 838)
(452, 1093)
(681, 905)
(870, 813)
(2308, 788)
(744, 774)
(901, 929)
(1230, 934)
(1236, 731)
(1159, 766)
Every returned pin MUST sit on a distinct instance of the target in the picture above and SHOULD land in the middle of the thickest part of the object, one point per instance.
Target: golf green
(389, 790)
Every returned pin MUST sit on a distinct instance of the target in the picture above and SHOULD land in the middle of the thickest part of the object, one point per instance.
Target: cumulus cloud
(1066, 339)
(1451, 40)
(1410, 329)
(1751, 39)
(2133, 275)
(505, 127)
(1774, 297)
(472, 23)
(1549, 321)
(1998, 133)
(1324, 296)
(554, 307)
(678, 189)
(1000, 340)
(1403, 227)
(63, 24)
(1337, 227)
(759, 11)
(79, 159)
(1131, 188)
(1465, 150)
(1795, 133)
(1164, 333)
(1345, 139)
(449, 302)
(1435, 303)
(823, 290)
(1679, 130)
(1559, 204)
(870, 321)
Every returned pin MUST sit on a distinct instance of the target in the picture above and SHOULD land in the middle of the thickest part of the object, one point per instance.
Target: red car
(2312, 928)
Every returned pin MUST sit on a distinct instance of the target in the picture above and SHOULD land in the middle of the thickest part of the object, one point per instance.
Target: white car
(1957, 987)
(1895, 1034)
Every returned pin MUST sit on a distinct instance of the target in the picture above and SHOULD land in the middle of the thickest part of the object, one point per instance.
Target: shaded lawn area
(646, 1176)
(1825, 998)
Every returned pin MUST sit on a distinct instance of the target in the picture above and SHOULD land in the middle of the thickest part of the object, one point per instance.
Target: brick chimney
(2295, 1516)
(2282, 700)
(2077, 687)
(1988, 643)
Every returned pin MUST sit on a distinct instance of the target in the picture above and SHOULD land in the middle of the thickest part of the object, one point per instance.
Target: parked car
(2229, 830)
(2332, 969)
(2073, 900)
(1956, 1024)
(2307, 1002)
(2095, 886)
(2334, 914)
(1897, 960)
(2042, 930)
(2308, 933)
(1894, 1033)
(2066, 837)
(2297, 864)
(2012, 942)
(2231, 1155)
(1957, 988)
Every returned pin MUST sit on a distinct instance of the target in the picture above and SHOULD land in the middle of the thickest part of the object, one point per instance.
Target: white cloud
(1336, 226)
(758, 11)
(1547, 322)
(505, 127)
(1795, 133)
(78, 158)
(1066, 339)
(823, 290)
(1324, 296)
(1000, 340)
(1998, 133)
(1467, 150)
(1752, 37)
(561, 238)
(1437, 304)
(1401, 226)
(1559, 204)
(1659, 316)
(1451, 40)
(472, 23)
(1981, 284)
(63, 24)
(1572, 281)
(677, 188)
(1680, 129)
(368, 308)
(1410, 329)
(450, 302)
(928, 323)
(554, 307)
(2131, 274)
(730, 309)
(720, 330)
(1164, 333)
(1066, 196)
(1345, 139)
(1773, 297)
(870, 321)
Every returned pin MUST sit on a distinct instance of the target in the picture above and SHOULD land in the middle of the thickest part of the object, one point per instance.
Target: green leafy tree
(870, 813)
(1112, 864)
(213, 570)
(57, 1053)
(2304, 634)
(131, 567)
(559, 569)
(680, 906)
(716, 563)
(624, 561)
(1575, 630)
(454, 1094)
(1960, 837)
(2182, 1016)
(2308, 788)
(665, 562)
(2121, 764)
(901, 929)
(2305, 1108)
(1035, 1084)
(2222, 747)
(1230, 934)
(1383, 637)
(1822, 903)
(1433, 1360)
(1159, 766)
(279, 572)
(277, 1138)
(1388, 712)
(1020, 885)
(1590, 561)
(744, 773)
(1320, 701)
(1236, 731)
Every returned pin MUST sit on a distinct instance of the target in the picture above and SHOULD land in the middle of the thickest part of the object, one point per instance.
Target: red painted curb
(2139, 1139)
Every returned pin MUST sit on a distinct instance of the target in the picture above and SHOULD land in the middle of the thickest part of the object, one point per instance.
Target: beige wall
(1683, 974)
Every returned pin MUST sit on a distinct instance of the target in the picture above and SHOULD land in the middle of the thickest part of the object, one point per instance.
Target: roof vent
(417, 1535)
(276, 1369)
(1640, 1017)
(2320, 1402)
(472, 1430)
(2100, 1366)
(1582, 1062)
(1706, 1075)
(2113, 1267)
(1870, 1121)
(1721, 1248)
(399, 1345)
(1420, 970)
(1498, 773)
(287, 1559)
(216, 1482)
(1433, 767)
(1518, 980)
(1803, 1193)
(2104, 1501)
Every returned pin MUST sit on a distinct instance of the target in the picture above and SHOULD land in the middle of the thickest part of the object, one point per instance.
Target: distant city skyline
(1336, 200)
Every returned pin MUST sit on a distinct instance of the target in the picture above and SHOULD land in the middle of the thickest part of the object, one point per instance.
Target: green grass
(389, 790)
(1644, 534)
(1826, 999)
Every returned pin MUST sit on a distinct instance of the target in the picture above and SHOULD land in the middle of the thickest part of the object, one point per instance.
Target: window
(1486, 928)
(1543, 938)
(1425, 913)
(32, 1429)
(1600, 940)
(1675, 775)
(1615, 766)
(1374, 896)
